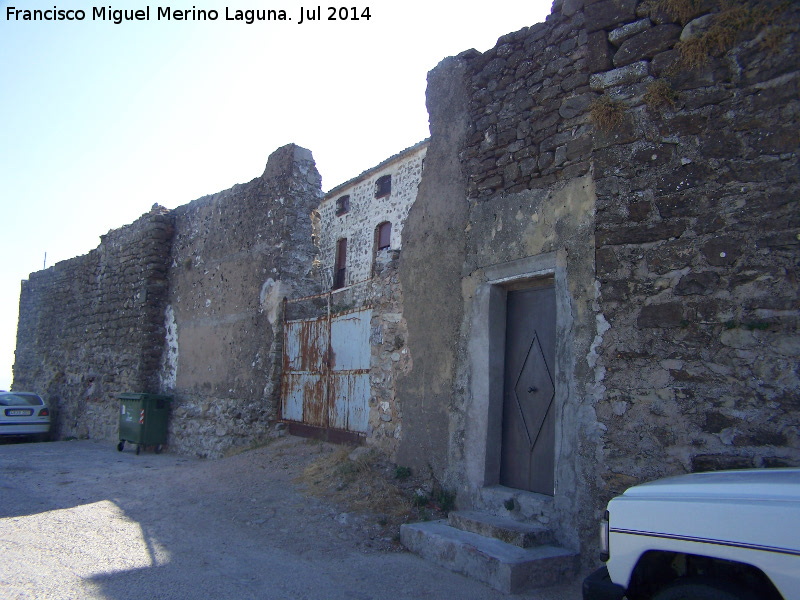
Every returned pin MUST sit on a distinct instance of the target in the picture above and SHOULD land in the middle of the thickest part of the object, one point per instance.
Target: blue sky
(100, 121)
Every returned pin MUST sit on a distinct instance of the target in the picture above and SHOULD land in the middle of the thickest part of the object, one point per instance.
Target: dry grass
(660, 95)
(370, 484)
(731, 19)
(682, 10)
(360, 484)
(607, 114)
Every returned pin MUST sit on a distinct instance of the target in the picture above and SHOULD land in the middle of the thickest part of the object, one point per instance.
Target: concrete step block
(504, 567)
(516, 533)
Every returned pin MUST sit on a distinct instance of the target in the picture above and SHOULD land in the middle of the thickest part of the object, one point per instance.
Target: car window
(20, 400)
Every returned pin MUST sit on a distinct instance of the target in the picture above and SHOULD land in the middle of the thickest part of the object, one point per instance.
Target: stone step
(504, 567)
(516, 533)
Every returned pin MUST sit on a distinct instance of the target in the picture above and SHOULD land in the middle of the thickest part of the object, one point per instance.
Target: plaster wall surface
(358, 225)
(430, 273)
(555, 228)
(235, 256)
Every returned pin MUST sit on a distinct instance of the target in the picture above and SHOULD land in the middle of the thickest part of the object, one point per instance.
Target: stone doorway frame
(487, 359)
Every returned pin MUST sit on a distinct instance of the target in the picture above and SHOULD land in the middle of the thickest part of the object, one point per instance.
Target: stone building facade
(355, 211)
(637, 167)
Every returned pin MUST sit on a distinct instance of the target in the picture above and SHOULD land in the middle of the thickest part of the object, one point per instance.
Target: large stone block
(722, 251)
(640, 234)
(626, 75)
(598, 52)
(647, 44)
(697, 283)
(607, 13)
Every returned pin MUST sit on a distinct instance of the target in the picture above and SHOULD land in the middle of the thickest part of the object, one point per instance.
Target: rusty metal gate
(325, 379)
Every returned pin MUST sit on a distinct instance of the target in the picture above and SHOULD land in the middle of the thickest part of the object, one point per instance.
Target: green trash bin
(143, 420)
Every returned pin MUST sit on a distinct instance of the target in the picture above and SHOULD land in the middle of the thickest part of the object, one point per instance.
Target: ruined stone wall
(664, 198)
(366, 212)
(507, 181)
(91, 327)
(235, 256)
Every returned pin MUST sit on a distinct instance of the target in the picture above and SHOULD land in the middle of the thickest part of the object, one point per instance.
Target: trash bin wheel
(138, 448)
(120, 446)
(158, 448)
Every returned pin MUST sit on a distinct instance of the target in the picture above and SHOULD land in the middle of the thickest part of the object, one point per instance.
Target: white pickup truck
(725, 535)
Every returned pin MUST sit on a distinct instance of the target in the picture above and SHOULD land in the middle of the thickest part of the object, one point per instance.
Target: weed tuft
(354, 482)
(402, 473)
(446, 500)
(660, 95)
(731, 19)
(421, 500)
(606, 114)
(681, 10)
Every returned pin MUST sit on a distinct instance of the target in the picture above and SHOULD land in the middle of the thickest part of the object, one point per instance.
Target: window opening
(384, 235)
(340, 269)
(342, 205)
(383, 186)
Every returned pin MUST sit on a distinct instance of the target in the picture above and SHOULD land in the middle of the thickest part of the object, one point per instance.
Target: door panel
(325, 381)
(528, 444)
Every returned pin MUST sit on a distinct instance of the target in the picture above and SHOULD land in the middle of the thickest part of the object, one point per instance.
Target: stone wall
(390, 355)
(235, 256)
(506, 198)
(366, 212)
(661, 194)
(91, 327)
(697, 239)
(184, 302)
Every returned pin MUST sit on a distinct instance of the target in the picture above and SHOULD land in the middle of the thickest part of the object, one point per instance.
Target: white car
(725, 535)
(23, 414)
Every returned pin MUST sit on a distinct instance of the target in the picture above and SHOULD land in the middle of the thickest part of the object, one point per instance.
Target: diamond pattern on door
(534, 391)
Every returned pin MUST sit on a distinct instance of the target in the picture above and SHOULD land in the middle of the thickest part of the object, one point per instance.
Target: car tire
(703, 589)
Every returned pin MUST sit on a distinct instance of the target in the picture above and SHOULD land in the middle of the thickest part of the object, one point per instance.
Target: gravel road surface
(79, 520)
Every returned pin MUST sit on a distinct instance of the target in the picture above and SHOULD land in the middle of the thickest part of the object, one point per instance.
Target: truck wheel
(703, 589)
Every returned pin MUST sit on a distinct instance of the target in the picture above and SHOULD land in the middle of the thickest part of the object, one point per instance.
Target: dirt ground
(292, 519)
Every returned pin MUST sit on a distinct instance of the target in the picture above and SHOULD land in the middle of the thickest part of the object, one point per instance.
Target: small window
(384, 235)
(340, 270)
(342, 205)
(383, 187)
